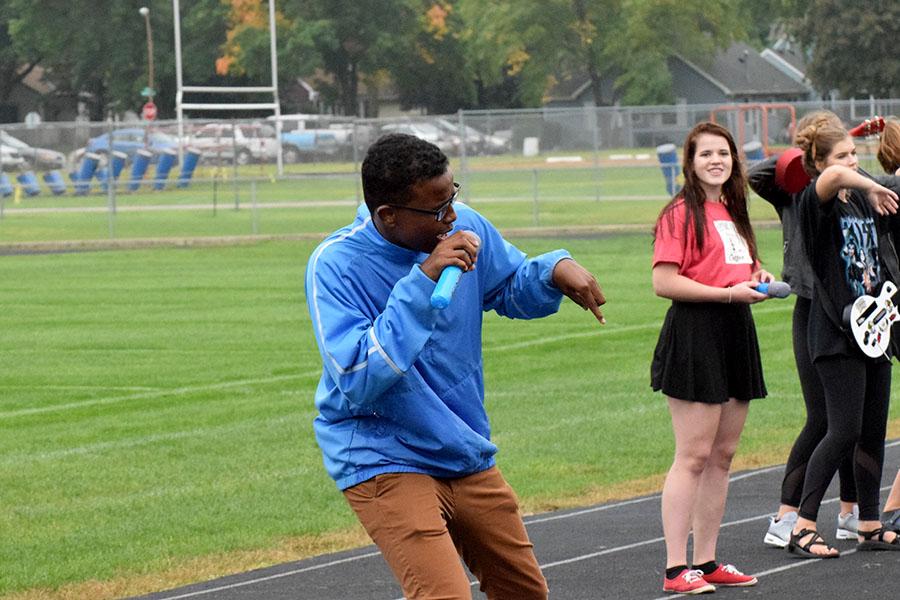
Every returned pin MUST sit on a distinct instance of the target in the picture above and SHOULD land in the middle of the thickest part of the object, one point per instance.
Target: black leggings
(816, 420)
(857, 394)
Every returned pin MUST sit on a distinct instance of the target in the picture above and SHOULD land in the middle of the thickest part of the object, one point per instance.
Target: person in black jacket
(837, 207)
(797, 272)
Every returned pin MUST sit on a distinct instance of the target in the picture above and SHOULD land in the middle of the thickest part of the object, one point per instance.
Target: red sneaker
(689, 581)
(727, 575)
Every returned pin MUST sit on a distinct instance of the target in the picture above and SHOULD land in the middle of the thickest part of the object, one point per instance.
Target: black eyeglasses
(438, 214)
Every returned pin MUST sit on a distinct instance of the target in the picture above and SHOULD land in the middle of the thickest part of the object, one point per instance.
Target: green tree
(429, 67)
(247, 51)
(441, 54)
(625, 41)
(762, 16)
(853, 45)
(352, 39)
(348, 40)
(80, 64)
(203, 38)
(512, 49)
(14, 67)
(655, 30)
(96, 50)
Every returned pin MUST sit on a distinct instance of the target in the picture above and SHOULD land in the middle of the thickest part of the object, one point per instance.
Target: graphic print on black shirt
(862, 269)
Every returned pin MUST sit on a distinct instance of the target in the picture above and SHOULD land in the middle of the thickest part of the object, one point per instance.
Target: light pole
(149, 91)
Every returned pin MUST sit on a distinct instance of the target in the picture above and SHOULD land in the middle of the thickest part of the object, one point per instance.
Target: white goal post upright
(181, 106)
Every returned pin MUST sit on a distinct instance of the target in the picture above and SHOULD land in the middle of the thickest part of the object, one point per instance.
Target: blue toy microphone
(775, 289)
(449, 279)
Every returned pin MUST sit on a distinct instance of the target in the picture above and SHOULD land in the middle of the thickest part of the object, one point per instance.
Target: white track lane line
(644, 499)
(271, 577)
(607, 331)
(159, 393)
(539, 520)
(154, 394)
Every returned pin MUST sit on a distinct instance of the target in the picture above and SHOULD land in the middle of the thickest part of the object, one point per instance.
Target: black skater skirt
(708, 352)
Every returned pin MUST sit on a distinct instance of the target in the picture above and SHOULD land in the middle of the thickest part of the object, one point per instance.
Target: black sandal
(803, 551)
(874, 540)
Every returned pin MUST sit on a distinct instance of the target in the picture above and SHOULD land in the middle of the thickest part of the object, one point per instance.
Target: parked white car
(10, 159)
(477, 142)
(37, 158)
(306, 136)
(429, 132)
(244, 143)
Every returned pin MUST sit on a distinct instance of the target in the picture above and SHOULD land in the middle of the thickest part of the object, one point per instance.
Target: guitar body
(870, 319)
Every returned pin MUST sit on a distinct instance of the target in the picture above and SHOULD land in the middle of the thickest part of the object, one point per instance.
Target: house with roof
(35, 94)
(787, 56)
(736, 74)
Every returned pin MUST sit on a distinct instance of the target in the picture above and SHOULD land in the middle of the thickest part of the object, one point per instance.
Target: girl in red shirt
(707, 359)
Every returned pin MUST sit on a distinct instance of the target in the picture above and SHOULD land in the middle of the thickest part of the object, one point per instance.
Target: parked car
(310, 136)
(36, 158)
(429, 132)
(476, 141)
(129, 141)
(10, 159)
(244, 143)
(308, 143)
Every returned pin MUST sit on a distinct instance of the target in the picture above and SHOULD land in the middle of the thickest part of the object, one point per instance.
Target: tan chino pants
(423, 525)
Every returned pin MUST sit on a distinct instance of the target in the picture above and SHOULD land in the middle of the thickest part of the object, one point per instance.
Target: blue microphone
(445, 287)
(775, 289)
(447, 282)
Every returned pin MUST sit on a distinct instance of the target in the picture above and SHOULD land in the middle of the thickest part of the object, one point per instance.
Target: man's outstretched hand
(577, 283)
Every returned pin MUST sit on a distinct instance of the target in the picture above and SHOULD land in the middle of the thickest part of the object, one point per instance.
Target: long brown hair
(734, 192)
(889, 145)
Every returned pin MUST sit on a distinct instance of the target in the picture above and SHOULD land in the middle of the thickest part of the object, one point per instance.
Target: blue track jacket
(402, 389)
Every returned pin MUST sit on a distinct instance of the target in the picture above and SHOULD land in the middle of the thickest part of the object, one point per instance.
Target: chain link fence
(548, 158)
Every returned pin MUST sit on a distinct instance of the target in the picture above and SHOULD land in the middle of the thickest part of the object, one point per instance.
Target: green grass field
(316, 220)
(512, 194)
(157, 405)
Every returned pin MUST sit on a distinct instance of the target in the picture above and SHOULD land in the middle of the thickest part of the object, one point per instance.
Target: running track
(612, 550)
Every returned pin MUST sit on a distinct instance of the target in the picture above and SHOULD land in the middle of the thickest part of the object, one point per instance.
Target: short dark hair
(396, 162)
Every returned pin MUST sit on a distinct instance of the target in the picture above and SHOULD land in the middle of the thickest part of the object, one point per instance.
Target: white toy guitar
(870, 320)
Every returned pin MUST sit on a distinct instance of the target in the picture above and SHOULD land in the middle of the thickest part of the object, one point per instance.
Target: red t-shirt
(725, 259)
